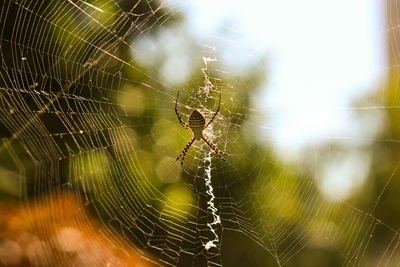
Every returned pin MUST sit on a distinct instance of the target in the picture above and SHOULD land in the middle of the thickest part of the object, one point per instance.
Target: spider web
(85, 111)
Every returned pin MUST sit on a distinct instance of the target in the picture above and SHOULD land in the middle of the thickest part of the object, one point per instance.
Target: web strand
(84, 111)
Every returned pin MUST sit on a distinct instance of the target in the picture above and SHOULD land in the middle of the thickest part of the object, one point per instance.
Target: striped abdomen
(197, 123)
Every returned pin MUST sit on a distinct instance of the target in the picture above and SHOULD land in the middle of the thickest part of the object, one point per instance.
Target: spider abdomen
(196, 124)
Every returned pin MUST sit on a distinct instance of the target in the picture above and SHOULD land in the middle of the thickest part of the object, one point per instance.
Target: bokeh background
(309, 115)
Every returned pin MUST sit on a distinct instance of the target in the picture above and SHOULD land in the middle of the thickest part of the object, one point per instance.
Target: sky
(322, 56)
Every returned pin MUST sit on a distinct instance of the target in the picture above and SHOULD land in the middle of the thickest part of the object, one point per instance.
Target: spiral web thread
(62, 67)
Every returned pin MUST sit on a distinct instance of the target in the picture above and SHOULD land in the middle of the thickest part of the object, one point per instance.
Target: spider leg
(219, 104)
(184, 125)
(214, 147)
(184, 151)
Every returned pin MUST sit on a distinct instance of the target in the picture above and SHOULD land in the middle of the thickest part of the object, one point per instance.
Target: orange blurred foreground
(57, 231)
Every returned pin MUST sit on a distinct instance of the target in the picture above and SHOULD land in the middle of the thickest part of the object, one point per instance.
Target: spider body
(197, 125)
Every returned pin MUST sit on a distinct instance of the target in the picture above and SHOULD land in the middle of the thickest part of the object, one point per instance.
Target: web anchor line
(211, 207)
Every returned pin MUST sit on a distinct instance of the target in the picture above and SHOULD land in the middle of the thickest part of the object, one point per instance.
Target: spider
(197, 125)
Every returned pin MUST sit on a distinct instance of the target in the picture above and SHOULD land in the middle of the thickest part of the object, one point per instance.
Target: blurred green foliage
(274, 211)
